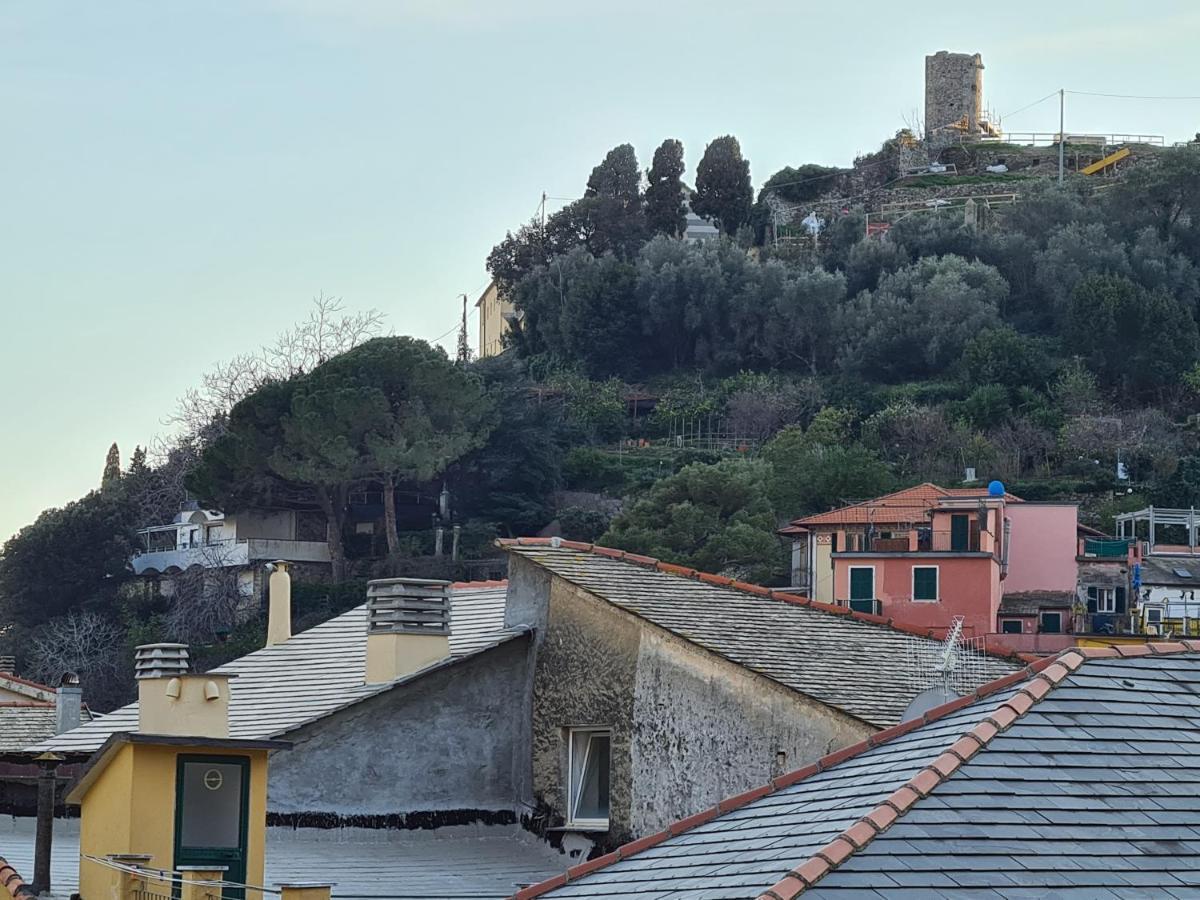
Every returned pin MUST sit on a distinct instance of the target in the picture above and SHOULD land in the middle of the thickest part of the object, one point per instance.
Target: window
(1106, 599)
(862, 582)
(925, 583)
(587, 780)
(1010, 626)
(1051, 623)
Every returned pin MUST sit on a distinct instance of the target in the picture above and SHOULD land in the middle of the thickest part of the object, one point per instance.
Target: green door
(862, 584)
(212, 809)
(960, 533)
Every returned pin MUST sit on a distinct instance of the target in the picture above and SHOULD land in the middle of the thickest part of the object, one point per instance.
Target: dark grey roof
(869, 670)
(1170, 570)
(1030, 603)
(22, 724)
(312, 675)
(1094, 791)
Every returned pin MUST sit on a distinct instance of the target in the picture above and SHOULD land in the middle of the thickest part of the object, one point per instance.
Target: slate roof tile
(870, 670)
(1076, 816)
(312, 675)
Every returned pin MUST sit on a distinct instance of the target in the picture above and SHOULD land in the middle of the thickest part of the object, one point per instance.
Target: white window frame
(850, 582)
(1106, 600)
(937, 594)
(572, 788)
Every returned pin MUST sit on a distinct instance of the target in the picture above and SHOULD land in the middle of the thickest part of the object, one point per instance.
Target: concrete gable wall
(689, 727)
(452, 741)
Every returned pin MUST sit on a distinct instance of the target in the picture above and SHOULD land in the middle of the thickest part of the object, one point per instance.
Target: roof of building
(483, 862)
(1058, 781)
(910, 505)
(316, 673)
(26, 722)
(25, 688)
(1180, 571)
(864, 665)
(1030, 603)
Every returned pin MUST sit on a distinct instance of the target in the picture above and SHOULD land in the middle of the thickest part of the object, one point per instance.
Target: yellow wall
(822, 574)
(131, 809)
(106, 826)
(492, 322)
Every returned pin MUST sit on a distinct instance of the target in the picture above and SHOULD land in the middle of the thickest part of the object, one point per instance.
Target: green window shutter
(862, 584)
(1120, 606)
(925, 583)
(960, 533)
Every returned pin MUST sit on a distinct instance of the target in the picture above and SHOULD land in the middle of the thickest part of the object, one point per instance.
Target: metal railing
(1046, 138)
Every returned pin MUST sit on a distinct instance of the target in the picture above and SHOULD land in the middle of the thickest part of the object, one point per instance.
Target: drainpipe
(1004, 549)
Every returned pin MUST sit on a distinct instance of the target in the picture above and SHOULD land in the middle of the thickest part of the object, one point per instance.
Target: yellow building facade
(178, 793)
(495, 316)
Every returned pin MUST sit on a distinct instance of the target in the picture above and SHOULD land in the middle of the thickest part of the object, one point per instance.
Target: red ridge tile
(747, 797)
(790, 778)
(543, 888)
(705, 815)
(1055, 673)
(609, 552)
(1132, 650)
(860, 833)
(648, 561)
(1002, 717)
(1037, 689)
(811, 871)
(925, 781)
(721, 580)
(751, 588)
(1019, 703)
(946, 764)
(902, 799)
(984, 731)
(882, 816)
(643, 843)
(832, 759)
(836, 851)
(966, 746)
(672, 569)
(591, 865)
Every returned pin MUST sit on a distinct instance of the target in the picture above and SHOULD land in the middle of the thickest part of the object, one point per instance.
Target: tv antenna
(943, 672)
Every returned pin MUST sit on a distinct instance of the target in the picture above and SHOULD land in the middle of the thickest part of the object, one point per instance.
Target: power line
(1128, 96)
(1029, 106)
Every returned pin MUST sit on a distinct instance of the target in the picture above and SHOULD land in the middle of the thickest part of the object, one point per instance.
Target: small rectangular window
(588, 777)
(925, 583)
(1051, 623)
(1010, 626)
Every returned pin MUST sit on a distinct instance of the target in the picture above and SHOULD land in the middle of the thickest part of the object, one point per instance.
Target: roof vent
(408, 626)
(160, 660)
(408, 606)
(8, 665)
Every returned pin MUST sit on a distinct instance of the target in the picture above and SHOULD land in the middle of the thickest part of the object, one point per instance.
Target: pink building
(926, 554)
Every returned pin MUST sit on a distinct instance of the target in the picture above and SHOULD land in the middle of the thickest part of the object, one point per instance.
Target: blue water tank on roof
(995, 488)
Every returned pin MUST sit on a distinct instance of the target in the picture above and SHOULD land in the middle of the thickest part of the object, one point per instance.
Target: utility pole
(1062, 135)
(464, 345)
(543, 212)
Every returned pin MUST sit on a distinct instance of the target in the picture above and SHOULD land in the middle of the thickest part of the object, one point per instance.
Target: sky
(181, 179)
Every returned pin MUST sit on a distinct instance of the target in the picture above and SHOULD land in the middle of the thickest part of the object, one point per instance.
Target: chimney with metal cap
(408, 626)
(173, 701)
(160, 660)
(279, 604)
(68, 704)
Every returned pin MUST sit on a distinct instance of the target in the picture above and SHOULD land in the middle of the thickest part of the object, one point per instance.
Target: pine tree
(112, 467)
(665, 209)
(723, 190)
(617, 177)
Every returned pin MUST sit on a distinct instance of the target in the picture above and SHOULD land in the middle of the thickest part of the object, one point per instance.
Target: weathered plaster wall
(688, 727)
(584, 675)
(1042, 546)
(707, 729)
(452, 740)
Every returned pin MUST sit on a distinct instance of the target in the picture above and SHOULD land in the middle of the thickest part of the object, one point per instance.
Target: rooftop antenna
(945, 672)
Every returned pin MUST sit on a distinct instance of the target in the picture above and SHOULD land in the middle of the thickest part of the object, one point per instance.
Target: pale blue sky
(179, 179)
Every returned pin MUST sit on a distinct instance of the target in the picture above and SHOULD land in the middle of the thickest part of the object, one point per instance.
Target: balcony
(221, 554)
(1105, 549)
(927, 541)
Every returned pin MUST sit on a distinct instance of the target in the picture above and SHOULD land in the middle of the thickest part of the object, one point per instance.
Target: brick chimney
(279, 604)
(172, 701)
(68, 704)
(408, 626)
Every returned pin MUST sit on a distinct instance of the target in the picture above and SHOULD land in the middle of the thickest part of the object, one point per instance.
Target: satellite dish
(928, 699)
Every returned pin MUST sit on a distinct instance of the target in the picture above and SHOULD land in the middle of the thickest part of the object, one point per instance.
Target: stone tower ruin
(954, 94)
